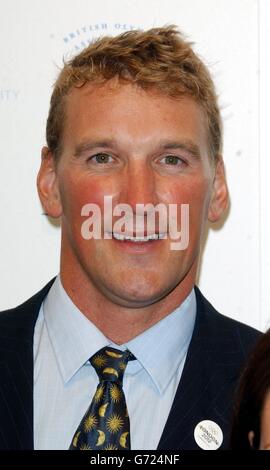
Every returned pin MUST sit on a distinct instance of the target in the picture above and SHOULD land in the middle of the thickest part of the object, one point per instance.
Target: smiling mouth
(139, 239)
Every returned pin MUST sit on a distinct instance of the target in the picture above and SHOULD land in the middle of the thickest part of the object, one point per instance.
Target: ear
(251, 438)
(219, 197)
(47, 184)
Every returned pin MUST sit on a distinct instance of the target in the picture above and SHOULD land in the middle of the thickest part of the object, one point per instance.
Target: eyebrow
(186, 145)
(92, 144)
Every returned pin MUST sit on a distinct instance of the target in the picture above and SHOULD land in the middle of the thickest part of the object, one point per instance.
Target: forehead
(126, 108)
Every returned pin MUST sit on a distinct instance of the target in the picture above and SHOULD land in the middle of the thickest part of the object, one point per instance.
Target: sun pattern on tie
(105, 425)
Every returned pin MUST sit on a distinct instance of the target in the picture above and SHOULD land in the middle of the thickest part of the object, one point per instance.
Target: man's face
(137, 147)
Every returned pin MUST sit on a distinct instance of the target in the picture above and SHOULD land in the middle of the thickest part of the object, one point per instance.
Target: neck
(119, 323)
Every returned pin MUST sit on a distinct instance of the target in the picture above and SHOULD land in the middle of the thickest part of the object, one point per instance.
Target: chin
(131, 301)
(138, 295)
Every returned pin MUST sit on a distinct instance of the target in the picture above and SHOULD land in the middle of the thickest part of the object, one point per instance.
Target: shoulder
(224, 328)
(24, 315)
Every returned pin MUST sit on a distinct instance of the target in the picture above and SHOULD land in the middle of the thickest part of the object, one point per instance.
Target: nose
(138, 185)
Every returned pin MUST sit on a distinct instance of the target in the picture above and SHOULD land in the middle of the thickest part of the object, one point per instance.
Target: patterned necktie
(105, 425)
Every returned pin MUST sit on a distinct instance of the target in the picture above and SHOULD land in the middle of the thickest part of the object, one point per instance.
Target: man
(133, 119)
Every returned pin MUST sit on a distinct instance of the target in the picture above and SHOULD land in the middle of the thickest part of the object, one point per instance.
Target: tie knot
(110, 363)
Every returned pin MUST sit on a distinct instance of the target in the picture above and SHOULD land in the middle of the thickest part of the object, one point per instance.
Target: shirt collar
(74, 338)
(162, 348)
(159, 350)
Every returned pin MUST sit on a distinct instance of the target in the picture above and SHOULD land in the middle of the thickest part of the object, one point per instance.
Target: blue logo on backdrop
(8, 94)
(80, 38)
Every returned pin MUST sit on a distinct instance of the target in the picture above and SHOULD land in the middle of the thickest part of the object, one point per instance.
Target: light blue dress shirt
(65, 382)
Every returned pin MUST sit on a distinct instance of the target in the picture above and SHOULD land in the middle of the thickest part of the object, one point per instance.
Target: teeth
(155, 236)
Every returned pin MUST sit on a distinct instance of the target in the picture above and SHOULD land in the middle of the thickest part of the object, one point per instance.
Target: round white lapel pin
(208, 435)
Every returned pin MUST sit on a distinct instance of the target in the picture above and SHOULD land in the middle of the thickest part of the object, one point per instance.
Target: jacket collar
(206, 387)
(16, 371)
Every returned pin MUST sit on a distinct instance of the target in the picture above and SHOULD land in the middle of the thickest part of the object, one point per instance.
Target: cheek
(75, 193)
(195, 192)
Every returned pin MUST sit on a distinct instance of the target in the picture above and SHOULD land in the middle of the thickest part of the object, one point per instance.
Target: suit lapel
(16, 372)
(207, 382)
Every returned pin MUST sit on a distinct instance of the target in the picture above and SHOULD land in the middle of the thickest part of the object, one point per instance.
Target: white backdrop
(232, 36)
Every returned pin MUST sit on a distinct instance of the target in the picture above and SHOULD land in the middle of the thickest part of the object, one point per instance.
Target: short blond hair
(159, 59)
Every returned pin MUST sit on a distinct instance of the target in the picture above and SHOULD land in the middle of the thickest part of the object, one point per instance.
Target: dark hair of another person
(253, 387)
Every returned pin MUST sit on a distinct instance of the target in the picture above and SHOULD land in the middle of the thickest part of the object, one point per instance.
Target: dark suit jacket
(218, 349)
